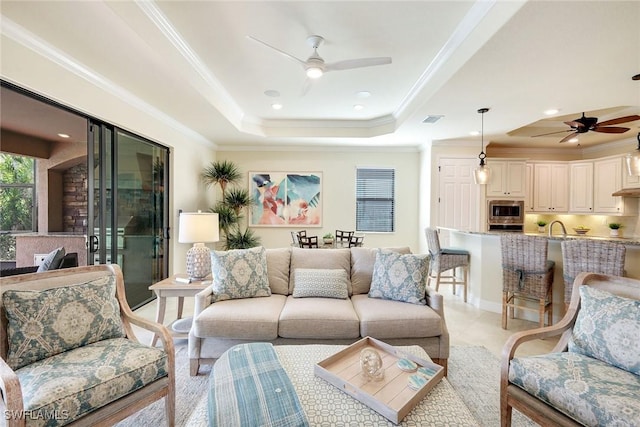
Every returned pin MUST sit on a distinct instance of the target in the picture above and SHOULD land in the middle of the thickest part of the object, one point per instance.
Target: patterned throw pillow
(52, 260)
(240, 273)
(42, 324)
(400, 277)
(608, 328)
(324, 283)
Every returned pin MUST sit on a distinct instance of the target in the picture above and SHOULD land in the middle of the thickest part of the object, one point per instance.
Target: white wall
(338, 190)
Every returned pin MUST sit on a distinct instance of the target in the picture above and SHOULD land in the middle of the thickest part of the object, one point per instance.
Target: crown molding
(29, 40)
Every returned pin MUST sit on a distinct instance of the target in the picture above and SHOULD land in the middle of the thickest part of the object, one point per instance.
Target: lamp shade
(198, 227)
(481, 174)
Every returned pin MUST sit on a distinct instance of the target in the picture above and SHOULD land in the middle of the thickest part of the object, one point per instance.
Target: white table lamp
(198, 228)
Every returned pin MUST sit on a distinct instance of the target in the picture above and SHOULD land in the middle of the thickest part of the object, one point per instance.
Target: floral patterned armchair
(69, 354)
(592, 376)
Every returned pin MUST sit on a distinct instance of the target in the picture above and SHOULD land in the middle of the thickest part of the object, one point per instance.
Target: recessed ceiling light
(551, 111)
(276, 106)
(63, 135)
(272, 93)
(363, 94)
(474, 133)
(358, 107)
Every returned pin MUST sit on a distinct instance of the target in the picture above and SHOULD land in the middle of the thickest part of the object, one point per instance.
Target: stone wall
(75, 199)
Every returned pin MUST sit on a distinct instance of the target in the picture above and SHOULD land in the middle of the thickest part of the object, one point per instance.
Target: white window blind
(375, 200)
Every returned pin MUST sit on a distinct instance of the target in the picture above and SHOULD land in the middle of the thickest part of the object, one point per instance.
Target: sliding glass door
(128, 204)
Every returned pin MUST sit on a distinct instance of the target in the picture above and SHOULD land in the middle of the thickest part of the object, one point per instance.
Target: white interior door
(459, 196)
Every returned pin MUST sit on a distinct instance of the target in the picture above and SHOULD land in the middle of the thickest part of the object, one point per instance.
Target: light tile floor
(467, 324)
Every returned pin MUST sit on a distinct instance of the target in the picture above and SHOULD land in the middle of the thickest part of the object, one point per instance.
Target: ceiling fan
(586, 124)
(315, 66)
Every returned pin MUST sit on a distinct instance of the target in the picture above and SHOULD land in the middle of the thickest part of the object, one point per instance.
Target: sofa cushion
(319, 282)
(45, 323)
(400, 277)
(319, 258)
(393, 319)
(78, 381)
(52, 260)
(588, 390)
(321, 318)
(362, 261)
(251, 318)
(608, 328)
(239, 273)
(278, 270)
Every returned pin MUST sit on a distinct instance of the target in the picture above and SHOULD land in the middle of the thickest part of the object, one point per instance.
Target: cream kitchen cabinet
(581, 187)
(528, 200)
(607, 179)
(551, 187)
(508, 179)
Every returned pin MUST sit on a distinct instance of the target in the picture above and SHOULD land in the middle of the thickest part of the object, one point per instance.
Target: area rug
(473, 372)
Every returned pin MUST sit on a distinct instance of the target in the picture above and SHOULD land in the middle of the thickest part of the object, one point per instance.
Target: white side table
(169, 287)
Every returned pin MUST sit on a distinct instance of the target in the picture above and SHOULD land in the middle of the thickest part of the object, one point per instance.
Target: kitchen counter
(485, 271)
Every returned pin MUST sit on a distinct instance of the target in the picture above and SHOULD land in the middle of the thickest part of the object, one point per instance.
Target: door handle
(93, 244)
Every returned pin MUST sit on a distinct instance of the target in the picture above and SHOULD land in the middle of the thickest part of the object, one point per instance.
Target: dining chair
(356, 241)
(308, 242)
(527, 275)
(446, 259)
(342, 237)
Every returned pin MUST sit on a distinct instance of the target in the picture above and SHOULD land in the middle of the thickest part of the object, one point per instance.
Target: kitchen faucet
(564, 230)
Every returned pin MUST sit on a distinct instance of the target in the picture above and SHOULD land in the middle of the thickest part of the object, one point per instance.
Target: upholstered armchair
(69, 354)
(592, 376)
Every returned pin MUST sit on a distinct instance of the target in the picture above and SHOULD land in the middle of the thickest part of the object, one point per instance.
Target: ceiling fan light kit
(482, 173)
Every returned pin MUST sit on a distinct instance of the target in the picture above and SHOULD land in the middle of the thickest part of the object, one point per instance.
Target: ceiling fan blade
(619, 120)
(357, 63)
(282, 52)
(610, 129)
(552, 133)
(568, 137)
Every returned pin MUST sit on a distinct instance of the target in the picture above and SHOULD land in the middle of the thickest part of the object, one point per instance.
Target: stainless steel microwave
(503, 212)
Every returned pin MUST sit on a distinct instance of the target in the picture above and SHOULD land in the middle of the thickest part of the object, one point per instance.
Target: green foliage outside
(16, 200)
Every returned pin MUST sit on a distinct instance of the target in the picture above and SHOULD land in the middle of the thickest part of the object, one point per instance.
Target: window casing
(375, 200)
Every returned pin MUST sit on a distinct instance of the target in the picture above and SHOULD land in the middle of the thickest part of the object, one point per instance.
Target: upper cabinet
(581, 187)
(607, 179)
(528, 200)
(551, 187)
(508, 179)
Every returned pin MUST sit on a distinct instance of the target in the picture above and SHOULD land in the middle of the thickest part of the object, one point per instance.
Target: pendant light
(482, 173)
(633, 160)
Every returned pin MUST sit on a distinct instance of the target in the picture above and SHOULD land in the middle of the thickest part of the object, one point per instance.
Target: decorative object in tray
(581, 229)
(385, 379)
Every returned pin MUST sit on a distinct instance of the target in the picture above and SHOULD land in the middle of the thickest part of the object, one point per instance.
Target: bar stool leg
(504, 310)
(465, 272)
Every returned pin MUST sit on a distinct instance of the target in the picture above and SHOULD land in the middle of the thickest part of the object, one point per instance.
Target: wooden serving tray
(390, 397)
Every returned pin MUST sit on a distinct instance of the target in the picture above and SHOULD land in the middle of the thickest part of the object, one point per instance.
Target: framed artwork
(285, 199)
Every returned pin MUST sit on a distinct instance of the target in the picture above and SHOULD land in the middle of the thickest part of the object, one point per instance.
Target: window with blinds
(375, 200)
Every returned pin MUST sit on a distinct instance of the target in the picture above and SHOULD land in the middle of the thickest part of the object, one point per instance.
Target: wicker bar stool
(582, 255)
(446, 259)
(527, 275)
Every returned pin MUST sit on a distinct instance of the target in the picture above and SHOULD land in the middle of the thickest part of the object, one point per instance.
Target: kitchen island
(485, 272)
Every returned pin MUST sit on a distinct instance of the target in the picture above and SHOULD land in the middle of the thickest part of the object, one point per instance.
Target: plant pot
(541, 229)
(615, 232)
(327, 241)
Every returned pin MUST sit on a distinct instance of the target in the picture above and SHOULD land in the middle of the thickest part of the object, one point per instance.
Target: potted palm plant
(615, 229)
(328, 238)
(541, 225)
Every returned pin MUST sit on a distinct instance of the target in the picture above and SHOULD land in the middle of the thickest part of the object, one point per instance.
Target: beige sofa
(282, 318)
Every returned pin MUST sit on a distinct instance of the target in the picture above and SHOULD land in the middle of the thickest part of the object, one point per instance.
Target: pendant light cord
(482, 155)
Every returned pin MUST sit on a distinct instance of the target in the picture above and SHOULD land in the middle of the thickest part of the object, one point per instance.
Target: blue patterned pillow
(608, 328)
(319, 282)
(400, 277)
(42, 324)
(240, 273)
(52, 260)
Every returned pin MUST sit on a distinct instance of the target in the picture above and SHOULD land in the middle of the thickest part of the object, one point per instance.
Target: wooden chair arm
(12, 401)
